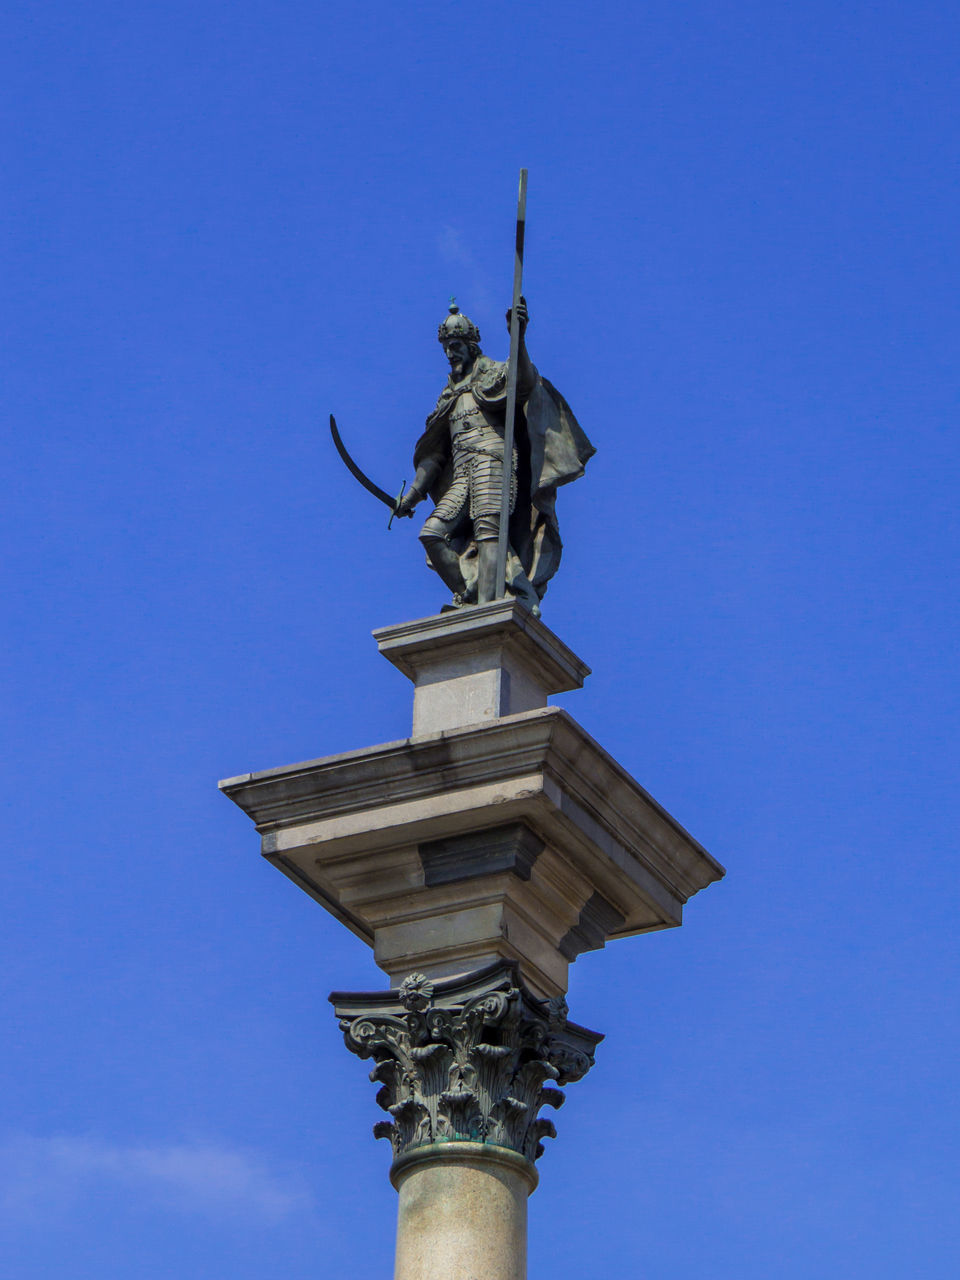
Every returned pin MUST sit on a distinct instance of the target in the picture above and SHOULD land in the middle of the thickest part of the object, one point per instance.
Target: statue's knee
(430, 535)
(486, 528)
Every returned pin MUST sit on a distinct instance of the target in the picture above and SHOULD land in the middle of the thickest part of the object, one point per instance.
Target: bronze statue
(493, 530)
(459, 463)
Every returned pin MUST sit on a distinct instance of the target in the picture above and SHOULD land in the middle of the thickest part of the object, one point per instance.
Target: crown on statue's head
(458, 326)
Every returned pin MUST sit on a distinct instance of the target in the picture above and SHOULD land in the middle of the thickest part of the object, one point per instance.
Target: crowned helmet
(458, 326)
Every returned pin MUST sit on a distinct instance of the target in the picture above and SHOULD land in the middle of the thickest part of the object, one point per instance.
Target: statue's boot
(486, 570)
(519, 585)
(447, 563)
(526, 593)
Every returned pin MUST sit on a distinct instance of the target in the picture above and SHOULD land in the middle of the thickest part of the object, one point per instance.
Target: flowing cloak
(552, 449)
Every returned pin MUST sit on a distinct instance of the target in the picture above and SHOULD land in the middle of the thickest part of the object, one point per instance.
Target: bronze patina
(493, 530)
(459, 463)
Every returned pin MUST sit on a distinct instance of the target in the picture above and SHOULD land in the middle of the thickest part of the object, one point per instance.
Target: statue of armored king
(459, 463)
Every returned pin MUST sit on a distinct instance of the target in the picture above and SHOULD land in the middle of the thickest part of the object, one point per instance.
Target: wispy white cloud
(43, 1176)
(472, 275)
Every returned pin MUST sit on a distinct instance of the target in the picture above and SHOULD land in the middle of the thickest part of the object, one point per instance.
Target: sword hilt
(403, 489)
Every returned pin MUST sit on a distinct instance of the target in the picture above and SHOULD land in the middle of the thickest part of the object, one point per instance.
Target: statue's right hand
(406, 504)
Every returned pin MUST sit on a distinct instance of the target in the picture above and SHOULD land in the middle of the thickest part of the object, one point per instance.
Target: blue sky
(221, 222)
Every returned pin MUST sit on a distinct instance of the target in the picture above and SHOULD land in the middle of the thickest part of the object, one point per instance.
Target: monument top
(482, 854)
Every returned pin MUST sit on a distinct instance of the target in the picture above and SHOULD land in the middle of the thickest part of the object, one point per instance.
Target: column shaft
(462, 1213)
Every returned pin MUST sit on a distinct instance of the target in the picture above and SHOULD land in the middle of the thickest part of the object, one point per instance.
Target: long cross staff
(503, 533)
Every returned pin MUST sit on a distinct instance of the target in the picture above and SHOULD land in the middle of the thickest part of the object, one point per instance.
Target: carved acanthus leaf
(473, 1060)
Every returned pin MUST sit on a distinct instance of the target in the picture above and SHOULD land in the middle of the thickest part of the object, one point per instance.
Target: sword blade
(355, 470)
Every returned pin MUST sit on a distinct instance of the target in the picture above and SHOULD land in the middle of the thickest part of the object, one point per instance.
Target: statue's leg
(485, 531)
(521, 586)
(435, 537)
(486, 569)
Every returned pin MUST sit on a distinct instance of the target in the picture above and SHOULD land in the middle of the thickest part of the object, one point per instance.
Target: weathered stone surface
(471, 1060)
(480, 853)
(471, 666)
(598, 920)
(403, 842)
(462, 1213)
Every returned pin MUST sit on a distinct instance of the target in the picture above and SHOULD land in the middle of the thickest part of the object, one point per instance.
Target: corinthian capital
(473, 1059)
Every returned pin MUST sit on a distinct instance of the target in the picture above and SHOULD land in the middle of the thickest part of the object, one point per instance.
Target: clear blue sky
(222, 221)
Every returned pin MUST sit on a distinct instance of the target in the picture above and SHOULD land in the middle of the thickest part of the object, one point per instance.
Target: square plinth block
(474, 665)
(513, 837)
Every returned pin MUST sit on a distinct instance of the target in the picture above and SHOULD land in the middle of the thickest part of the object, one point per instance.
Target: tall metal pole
(504, 530)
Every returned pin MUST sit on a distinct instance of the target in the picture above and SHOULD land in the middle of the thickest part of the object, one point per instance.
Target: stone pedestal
(478, 857)
(506, 836)
(472, 666)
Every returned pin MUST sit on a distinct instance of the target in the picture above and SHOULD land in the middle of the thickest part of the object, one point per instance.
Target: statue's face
(458, 353)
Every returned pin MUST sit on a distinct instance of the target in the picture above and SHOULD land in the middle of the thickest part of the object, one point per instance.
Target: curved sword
(365, 480)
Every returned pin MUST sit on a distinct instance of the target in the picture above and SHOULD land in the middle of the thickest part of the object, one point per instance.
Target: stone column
(462, 1212)
(478, 857)
(465, 1068)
